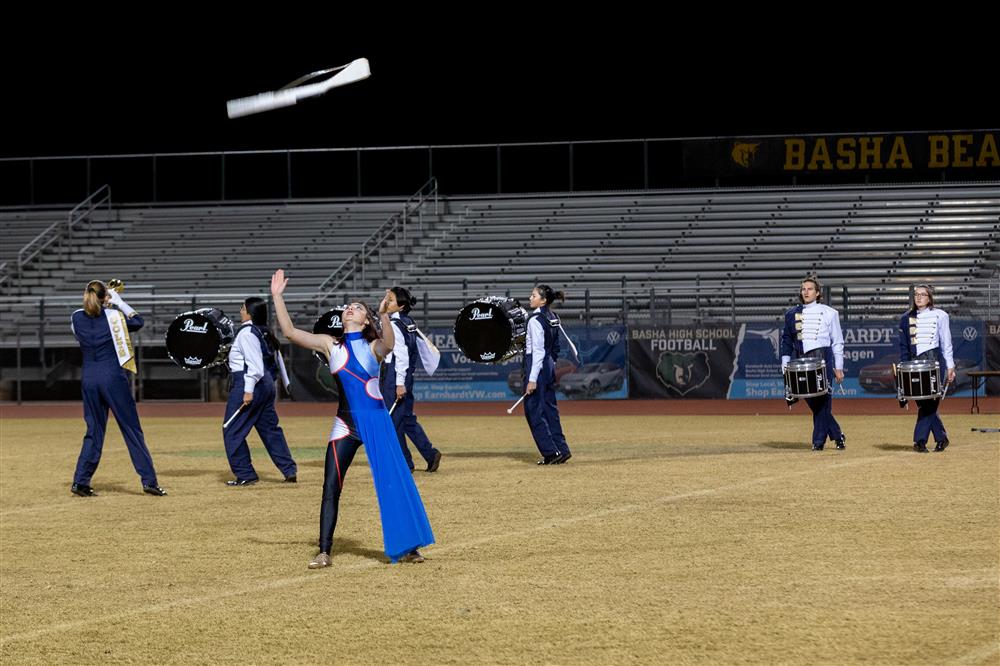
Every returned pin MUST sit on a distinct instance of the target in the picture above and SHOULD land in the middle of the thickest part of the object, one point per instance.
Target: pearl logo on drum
(335, 322)
(192, 360)
(487, 356)
(189, 327)
(476, 315)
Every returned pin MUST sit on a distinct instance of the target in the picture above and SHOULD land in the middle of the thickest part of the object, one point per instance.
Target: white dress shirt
(535, 344)
(246, 348)
(400, 355)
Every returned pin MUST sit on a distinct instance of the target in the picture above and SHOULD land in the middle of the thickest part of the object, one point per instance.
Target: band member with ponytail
(540, 354)
(925, 333)
(397, 376)
(362, 419)
(102, 328)
(254, 363)
(812, 330)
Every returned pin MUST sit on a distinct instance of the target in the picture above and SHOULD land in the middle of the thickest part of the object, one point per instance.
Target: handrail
(54, 232)
(397, 222)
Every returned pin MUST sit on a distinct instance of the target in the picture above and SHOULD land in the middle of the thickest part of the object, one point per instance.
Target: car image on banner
(515, 380)
(593, 378)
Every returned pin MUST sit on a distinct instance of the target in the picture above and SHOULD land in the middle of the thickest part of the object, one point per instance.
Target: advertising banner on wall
(598, 373)
(870, 350)
(681, 361)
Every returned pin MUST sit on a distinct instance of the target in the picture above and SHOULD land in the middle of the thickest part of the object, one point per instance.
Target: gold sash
(123, 343)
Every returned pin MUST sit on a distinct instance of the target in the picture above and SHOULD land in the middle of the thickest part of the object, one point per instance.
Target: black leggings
(339, 455)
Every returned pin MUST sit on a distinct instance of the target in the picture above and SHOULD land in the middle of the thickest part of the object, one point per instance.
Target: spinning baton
(514, 406)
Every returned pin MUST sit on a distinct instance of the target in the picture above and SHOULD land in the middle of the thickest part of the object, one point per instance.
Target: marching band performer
(362, 419)
(924, 333)
(541, 351)
(254, 365)
(102, 328)
(812, 330)
(397, 376)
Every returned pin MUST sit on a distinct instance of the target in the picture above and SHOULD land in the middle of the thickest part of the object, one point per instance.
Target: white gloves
(118, 302)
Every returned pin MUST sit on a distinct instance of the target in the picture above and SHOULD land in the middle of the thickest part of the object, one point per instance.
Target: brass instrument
(114, 284)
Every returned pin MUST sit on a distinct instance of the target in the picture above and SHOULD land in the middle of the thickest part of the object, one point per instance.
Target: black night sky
(164, 90)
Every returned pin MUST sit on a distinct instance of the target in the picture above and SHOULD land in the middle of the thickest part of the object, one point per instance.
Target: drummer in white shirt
(925, 334)
(812, 330)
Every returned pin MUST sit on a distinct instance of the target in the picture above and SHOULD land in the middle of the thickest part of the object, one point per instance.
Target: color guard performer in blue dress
(925, 333)
(362, 419)
(397, 376)
(102, 328)
(254, 363)
(541, 351)
(812, 330)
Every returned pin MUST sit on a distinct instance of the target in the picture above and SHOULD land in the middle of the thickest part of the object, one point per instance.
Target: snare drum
(918, 380)
(200, 339)
(491, 329)
(806, 378)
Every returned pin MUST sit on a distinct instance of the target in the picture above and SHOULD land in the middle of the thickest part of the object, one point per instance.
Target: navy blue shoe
(942, 445)
(563, 457)
(433, 465)
(551, 459)
(82, 490)
(920, 447)
(154, 490)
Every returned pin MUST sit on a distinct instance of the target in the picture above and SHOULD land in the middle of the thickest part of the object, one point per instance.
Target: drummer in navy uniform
(255, 363)
(397, 377)
(812, 330)
(925, 334)
(540, 354)
(102, 328)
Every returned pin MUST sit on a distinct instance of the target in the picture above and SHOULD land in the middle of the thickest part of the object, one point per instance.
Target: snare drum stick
(512, 407)
(393, 406)
(233, 417)
(944, 391)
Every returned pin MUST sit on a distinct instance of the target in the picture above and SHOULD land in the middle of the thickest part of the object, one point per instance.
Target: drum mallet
(233, 417)
(514, 406)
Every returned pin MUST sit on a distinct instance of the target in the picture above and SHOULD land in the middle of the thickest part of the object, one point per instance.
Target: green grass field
(666, 540)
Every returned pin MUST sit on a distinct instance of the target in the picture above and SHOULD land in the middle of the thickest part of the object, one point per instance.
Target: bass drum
(200, 339)
(491, 329)
(330, 322)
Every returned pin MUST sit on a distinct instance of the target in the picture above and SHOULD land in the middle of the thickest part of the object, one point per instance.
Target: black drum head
(331, 323)
(193, 341)
(483, 332)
